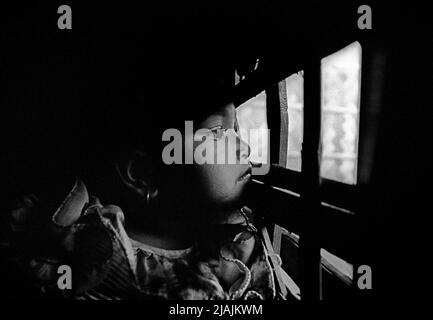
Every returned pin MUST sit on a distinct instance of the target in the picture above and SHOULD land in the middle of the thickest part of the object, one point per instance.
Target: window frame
(335, 208)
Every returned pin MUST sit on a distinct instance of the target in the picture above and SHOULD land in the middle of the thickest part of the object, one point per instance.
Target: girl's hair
(148, 98)
(154, 99)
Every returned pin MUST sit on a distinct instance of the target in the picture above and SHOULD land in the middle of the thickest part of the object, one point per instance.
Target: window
(340, 114)
(253, 126)
(334, 87)
(340, 79)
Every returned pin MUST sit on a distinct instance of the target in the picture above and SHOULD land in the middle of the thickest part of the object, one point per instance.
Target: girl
(188, 233)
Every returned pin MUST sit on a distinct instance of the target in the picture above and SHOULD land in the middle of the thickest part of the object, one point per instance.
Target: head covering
(163, 92)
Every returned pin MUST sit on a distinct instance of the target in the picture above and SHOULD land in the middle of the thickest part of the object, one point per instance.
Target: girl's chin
(233, 202)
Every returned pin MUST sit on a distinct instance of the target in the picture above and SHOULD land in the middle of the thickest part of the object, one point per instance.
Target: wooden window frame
(335, 208)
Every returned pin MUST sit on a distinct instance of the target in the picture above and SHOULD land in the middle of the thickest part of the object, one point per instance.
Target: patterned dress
(233, 261)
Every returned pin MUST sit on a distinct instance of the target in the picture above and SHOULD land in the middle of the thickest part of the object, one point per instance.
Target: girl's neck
(161, 231)
(175, 231)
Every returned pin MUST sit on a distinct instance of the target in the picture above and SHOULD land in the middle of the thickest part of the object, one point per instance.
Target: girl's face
(221, 183)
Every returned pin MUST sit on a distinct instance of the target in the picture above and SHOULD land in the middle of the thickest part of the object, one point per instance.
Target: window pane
(254, 126)
(340, 114)
(295, 110)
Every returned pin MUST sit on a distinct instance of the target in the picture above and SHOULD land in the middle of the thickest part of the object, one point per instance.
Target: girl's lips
(246, 175)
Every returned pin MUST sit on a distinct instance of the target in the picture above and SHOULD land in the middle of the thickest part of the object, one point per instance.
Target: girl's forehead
(228, 112)
(225, 116)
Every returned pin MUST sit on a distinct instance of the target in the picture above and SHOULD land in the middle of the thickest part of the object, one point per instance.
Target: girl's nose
(244, 149)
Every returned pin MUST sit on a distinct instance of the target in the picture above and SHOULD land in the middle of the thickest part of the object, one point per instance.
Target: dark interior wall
(61, 88)
(56, 89)
(403, 162)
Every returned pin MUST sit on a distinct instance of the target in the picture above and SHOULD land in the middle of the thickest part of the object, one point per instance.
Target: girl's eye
(218, 132)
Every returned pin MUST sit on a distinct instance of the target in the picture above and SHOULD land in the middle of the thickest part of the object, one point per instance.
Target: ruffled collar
(230, 262)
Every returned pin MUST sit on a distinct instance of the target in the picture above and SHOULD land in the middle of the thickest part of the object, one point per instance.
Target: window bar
(277, 238)
(277, 116)
(274, 121)
(284, 123)
(309, 249)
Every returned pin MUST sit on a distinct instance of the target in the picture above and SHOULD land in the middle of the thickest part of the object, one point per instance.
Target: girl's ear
(137, 172)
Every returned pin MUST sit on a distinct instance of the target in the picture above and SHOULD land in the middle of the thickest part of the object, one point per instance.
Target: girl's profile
(169, 231)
